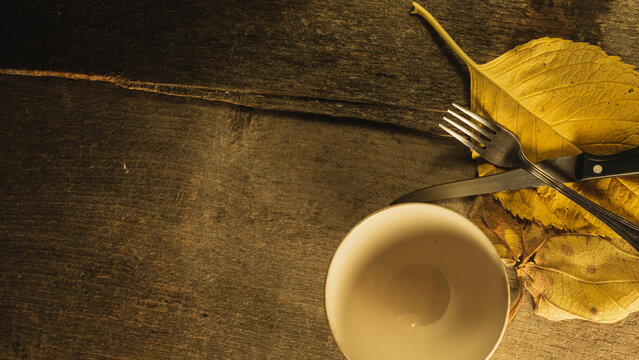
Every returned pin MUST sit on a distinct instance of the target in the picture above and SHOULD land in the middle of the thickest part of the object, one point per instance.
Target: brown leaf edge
(515, 308)
(520, 274)
(493, 230)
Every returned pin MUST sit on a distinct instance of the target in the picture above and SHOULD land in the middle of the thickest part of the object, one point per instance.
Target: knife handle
(625, 162)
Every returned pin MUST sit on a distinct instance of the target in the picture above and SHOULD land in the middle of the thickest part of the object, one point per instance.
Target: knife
(566, 169)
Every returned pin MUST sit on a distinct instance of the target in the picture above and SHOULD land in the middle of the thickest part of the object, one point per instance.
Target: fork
(501, 147)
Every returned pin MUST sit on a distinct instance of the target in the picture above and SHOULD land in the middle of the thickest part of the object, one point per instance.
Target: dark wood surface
(361, 59)
(175, 223)
(140, 225)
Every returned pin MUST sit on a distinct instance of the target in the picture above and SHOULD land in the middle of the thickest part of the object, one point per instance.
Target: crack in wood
(245, 97)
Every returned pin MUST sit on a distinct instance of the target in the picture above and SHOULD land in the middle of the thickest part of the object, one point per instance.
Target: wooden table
(177, 175)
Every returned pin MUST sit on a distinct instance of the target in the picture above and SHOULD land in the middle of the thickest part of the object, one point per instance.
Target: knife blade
(567, 169)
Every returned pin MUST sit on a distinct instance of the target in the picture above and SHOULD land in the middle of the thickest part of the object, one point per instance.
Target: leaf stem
(419, 10)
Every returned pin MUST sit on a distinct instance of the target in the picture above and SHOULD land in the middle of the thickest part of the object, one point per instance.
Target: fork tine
(486, 122)
(461, 139)
(464, 130)
(480, 129)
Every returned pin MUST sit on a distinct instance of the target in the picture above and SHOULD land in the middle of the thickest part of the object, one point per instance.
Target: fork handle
(627, 230)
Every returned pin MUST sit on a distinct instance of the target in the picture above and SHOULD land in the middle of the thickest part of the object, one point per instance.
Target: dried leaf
(514, 240)
(571, 276)
(621, 195)
(560, 98)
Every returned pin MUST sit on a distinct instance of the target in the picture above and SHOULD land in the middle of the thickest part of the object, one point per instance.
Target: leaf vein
(546, 91)
(579, 279)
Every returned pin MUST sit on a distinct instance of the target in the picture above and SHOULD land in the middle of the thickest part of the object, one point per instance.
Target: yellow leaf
(621, 195)
(570, 276)
(585, 277)
(560, 98)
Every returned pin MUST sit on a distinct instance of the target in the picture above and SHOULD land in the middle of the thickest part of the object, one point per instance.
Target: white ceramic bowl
(416, 281)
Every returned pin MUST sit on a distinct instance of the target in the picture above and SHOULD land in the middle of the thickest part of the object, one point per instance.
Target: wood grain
(360, 59)
(140, 225)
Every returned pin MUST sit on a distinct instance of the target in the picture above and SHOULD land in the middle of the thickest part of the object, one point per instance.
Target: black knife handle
(625, 162)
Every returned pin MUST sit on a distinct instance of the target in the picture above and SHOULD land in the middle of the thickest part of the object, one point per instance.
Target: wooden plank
(365, 59)
(136, 225)
(144, 226)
